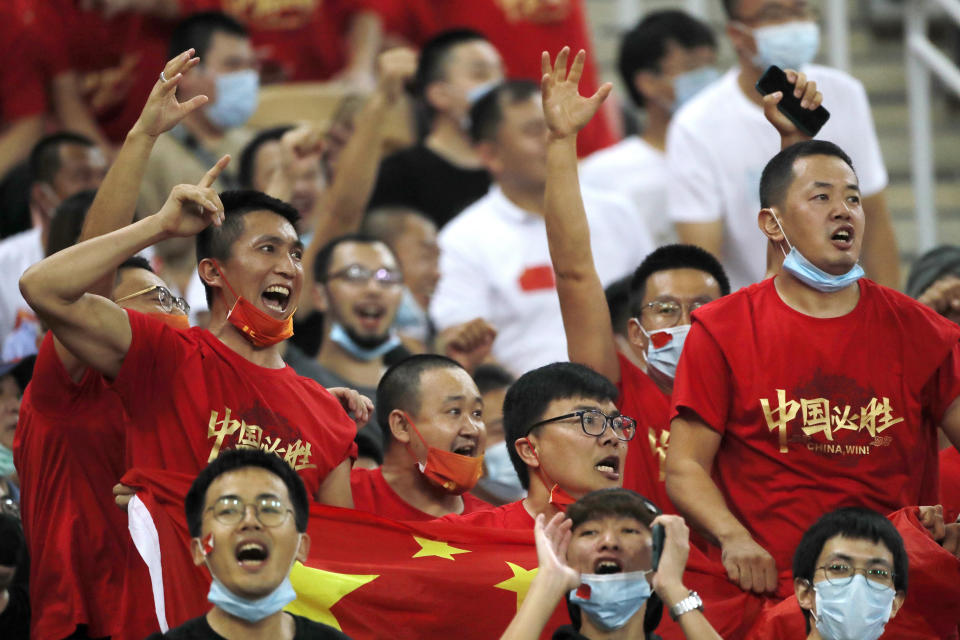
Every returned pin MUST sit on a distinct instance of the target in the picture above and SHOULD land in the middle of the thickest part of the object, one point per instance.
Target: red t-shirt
(641, 399)
(189, 397)
(818, 413)
(371, 493)
(950, 483)
(508, 516)
(69, 453)
(22, 85)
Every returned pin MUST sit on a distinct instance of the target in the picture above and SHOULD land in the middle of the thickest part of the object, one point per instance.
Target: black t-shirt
(420, 179)
(199, 629)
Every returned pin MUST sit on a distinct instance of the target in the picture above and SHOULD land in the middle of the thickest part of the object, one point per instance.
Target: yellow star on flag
(519, 583)
(318, 590)
(435, 548)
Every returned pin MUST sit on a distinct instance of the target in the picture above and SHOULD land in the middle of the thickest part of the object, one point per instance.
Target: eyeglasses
(669, 312)
(166, 299)
(359, 274)
(841, 574)
(594, 422)
(271, 512)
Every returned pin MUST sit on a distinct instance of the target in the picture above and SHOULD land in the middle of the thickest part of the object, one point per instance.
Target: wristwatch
(691, 603)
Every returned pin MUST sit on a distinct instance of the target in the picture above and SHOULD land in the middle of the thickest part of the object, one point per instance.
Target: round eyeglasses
(359, 274)
(594, 422)
(164, 296)
(841, 574)
(667, 313)
(270, 511)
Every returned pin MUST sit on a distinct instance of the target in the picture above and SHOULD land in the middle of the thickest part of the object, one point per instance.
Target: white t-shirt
(638, 172)
(719, 143)
(495, 264)
(17, 253)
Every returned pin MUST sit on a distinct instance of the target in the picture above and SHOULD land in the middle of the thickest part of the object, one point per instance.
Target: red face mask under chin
(454, 472)
(558, 495)
(174, 320)
(257, 327)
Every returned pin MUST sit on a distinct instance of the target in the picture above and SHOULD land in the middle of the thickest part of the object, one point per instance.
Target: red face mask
(175, 320)
(454, 472)
(259, 328)
(558, 496)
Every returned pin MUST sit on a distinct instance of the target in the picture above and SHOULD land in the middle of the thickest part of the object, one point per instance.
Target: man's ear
(806, 597)
(645, 83)
(196, 550)
(437, 96)
(303, 551)
(399, 427)
(43, 201)
(527, 452)
(320, 298)
(767, 221)
(209, 273)
(744, 44)
(638, 341)
(897, 603)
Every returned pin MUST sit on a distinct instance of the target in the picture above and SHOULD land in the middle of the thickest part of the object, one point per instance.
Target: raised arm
(810, 99)
(586, 318)
(92, 327)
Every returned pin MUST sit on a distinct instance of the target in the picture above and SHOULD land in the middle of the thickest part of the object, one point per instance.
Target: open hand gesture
(552, 540)
(163, 111)
(804, 89)
(190, 209)
(565, 109)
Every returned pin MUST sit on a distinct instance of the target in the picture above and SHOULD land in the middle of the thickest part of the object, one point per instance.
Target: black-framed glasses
(594, 422)
(359, 274)
(270, 511)
(841, 574)
(164, 296)
(669, 312)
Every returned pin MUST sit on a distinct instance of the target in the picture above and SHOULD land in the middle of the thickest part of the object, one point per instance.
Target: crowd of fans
(660, 356)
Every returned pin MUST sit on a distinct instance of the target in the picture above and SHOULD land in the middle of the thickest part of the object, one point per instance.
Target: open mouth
(842, 238)
(610, 467)
(607, 566)
(467, 449)
(370, 315)
(276, 298)
(251, 555)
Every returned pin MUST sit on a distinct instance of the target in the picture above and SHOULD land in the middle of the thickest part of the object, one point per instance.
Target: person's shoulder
(18, 246)
(831, 78)
(910, 312)
(307, 629)
(629, 152)
(472, 220)
(195, 629)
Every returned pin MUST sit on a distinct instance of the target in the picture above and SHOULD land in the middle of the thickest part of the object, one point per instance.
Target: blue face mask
(252, 610)
(340, 336)
(813, 276)
(789, 46)
(665, 358)
(6, 461)
(237, 95)
(686, 85)
(613, 598)
(856, 611)
(501, 478)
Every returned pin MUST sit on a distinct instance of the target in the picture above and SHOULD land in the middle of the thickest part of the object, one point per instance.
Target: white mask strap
(783, 232)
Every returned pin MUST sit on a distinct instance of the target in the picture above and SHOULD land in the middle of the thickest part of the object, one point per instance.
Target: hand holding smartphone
(808, 121)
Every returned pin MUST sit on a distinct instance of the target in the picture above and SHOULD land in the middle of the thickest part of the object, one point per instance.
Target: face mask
(249, 610)
(453, 472)
(611, 600)
(474, 95)
(175, 320)
(257, 327)
(236, 99)
(855, 611)
(340, 336)
(789, 46)
(6, 461)
(501, 478)
(686, 85)
(812, 275)
(664, 358)
(559, 497)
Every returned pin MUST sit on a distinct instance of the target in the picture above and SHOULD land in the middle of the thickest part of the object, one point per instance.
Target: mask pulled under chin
(259, 328)
(173, 320)
(611, 600)
(252, 610)
(340, 337)
(797, 265)
(559, 497)
(453, 472)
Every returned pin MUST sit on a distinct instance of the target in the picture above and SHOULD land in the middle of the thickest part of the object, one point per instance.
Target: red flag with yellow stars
(367, 576)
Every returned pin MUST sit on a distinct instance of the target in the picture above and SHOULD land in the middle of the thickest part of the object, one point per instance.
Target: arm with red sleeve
(945, 389)
(702, 392)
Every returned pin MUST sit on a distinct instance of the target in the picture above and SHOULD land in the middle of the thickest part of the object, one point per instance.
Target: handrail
(922, 59)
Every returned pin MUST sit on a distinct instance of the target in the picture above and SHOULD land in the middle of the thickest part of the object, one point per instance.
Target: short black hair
(389, 222)
(399, 387)
(778, 175)
(217, 242)
(854, 523)
(487, 113)
(674, 256)
(644, 46)
(617, 294)
(321, 264)
(44, 161)
(248, 157)
(490, 377)
(234, 459)
(937, 263)
(532, 393)
(136, 262)
(196, 32)
(67, 222)
(434, 56)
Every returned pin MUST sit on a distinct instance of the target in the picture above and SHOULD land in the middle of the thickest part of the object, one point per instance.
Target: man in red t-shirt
(810, 390)
(430, 412)
(565, 438)
(666, 287)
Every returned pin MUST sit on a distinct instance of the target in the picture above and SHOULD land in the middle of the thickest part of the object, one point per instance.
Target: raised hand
(190, 209)
(470, 343)
(565, 109)
(162, 110)
(358, 406)
(804, 89)
(552, 540)
(394, 67)
(673, 557)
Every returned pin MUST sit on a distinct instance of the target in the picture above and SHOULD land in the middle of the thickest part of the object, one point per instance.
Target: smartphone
(659, 535)
(807, 121)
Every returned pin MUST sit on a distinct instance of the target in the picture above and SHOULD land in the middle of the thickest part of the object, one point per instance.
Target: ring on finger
(163, 78)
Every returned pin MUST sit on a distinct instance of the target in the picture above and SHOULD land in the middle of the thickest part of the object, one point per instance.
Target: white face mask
(855, 611)
(665, 357)
(790, 45)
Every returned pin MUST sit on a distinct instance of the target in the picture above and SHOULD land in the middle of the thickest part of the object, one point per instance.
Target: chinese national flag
(367, 576)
